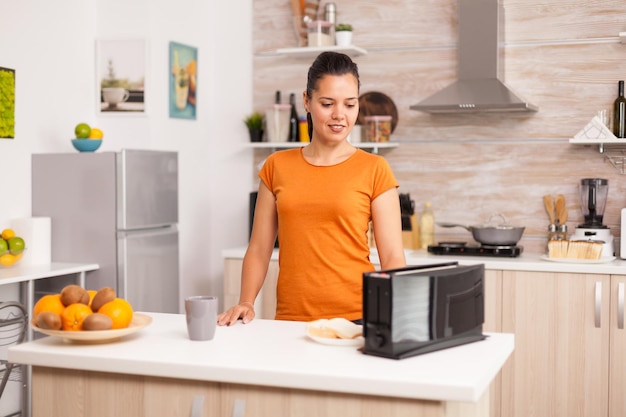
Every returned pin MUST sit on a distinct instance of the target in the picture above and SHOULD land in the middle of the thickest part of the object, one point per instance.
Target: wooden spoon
(549, 205)
(561, 211)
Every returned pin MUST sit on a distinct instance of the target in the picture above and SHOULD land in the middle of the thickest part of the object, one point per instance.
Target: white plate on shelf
(356, 342)
(579, 261)
(138, 322)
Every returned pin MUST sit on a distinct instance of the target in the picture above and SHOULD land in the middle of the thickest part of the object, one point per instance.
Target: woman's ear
(305, 102)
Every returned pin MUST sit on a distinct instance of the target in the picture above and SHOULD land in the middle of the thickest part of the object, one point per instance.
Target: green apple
(4, 246)
(16, 245)
(82, 130)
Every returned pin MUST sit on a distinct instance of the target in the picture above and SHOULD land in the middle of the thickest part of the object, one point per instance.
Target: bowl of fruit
(88, 139)
(11, 248)
(86, 316)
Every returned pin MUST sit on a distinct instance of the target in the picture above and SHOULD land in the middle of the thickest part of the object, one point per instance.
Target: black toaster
(419, 309)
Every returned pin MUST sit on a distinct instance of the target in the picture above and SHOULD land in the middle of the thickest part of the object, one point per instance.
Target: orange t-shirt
(323, 220)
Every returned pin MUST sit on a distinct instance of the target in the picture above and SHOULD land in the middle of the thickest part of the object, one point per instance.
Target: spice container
(378, 128)
(320, 33)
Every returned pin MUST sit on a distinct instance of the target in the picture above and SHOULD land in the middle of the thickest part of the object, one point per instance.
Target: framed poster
(121, 76)
(7, 103)
(183, 81)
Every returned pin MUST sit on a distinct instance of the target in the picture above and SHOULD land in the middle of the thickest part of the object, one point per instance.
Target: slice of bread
(336, 328)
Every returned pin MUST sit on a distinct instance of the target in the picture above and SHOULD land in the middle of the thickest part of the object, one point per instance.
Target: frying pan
(496, 235)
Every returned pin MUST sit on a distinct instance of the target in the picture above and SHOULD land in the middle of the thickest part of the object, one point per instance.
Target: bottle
(330, 15)
(294, 122)
(427, 227)
(277, 97)
(304, 129)
(619, 112)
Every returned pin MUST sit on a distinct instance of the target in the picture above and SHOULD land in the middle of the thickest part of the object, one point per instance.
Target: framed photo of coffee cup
(121, 76)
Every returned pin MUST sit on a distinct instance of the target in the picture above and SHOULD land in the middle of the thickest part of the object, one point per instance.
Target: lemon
(82, 130)
(96, 133)
(7, 259)
(8, 234)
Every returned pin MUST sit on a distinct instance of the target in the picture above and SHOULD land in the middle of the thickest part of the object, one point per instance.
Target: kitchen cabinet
(568, 358)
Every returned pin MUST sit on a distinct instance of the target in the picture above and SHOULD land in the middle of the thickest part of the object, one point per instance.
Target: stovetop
(475, 249)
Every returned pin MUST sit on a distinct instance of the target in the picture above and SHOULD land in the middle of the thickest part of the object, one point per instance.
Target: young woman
(319, 199)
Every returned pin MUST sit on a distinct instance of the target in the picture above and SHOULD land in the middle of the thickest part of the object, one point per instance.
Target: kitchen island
(267, 367)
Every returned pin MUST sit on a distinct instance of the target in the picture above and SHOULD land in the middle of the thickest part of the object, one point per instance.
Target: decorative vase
(256, 135)
(343, 38)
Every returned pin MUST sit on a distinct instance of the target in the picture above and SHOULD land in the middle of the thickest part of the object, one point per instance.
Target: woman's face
(334, 107)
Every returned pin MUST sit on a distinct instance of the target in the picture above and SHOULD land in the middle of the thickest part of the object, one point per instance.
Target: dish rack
(13, 327)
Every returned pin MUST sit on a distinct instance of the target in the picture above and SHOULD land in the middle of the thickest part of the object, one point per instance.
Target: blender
(593, 195)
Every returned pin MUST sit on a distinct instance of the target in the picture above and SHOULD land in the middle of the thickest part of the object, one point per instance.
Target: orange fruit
(8, 234)
(92, 294)
(51, 303)
(120, 311)
(96, 133)
(74, 315)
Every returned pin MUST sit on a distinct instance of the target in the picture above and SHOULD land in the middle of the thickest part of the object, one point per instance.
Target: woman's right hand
(243, 311)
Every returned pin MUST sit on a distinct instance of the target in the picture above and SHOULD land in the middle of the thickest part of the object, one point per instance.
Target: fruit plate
(138, 322)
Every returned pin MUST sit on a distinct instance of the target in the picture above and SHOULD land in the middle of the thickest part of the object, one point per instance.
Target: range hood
(479, 87)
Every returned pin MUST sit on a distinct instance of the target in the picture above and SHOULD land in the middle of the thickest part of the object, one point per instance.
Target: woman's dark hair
(328, 63)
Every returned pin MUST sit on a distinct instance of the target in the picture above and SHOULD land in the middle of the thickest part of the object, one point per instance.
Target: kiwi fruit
(103, 296)
(72, 294)
(48, 320)
(97, 321)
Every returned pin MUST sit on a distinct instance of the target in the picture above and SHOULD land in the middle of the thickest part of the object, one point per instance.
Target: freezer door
(147, 189)
(148, 270)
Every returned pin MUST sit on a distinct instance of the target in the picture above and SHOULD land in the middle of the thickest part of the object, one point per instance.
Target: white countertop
(279, 354)
(524, 262)
(22, 273)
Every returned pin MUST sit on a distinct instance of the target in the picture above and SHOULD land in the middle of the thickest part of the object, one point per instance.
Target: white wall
(51, 45)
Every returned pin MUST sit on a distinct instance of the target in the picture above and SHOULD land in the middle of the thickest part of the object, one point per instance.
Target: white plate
(138, 322)
(579, 261)
(357, 341)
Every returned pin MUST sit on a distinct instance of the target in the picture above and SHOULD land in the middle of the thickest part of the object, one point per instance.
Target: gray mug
(201, 313)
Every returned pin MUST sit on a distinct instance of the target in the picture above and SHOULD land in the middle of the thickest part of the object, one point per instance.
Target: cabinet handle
(598, 314)
(620, 305)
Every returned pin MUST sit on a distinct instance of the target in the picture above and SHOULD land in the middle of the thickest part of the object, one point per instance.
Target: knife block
(411, 238)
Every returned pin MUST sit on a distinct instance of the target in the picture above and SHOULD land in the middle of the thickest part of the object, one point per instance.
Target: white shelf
(309, 52)
(375, 146)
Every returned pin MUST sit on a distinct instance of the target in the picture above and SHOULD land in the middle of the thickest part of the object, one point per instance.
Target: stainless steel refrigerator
(117, 209)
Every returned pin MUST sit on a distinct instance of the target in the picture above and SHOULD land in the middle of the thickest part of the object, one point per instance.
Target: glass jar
(378, 128)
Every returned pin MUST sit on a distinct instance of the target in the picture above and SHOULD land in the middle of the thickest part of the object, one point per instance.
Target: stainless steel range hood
(480, 66)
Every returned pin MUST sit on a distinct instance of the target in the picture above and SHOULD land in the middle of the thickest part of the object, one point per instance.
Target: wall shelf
(374, 146)
(616, 154)
(310, 52)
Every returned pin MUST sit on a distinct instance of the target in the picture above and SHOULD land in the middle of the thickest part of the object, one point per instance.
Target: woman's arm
(256, 259)
(387, 222)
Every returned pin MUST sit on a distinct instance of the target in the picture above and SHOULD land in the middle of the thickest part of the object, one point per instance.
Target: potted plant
(343, 34)
(254, 123)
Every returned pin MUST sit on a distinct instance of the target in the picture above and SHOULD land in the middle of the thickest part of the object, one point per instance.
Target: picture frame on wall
(7, 103)
(183, 81)
(121, 76)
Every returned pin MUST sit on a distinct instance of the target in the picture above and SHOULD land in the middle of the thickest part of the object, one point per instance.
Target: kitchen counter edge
(524, 262)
